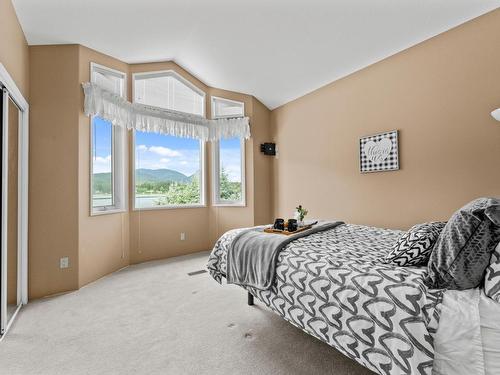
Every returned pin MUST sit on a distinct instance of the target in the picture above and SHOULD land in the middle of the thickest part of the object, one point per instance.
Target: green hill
(102, 181)
(159, 175)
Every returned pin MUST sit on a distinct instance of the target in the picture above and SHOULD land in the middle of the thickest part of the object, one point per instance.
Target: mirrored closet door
(13, 259)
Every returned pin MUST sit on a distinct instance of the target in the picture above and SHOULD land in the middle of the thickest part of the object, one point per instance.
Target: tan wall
(14, 54)
(103, 239)
(61, 224)
(55, 104)
(261, 133)
(155, 234)
(439, 94)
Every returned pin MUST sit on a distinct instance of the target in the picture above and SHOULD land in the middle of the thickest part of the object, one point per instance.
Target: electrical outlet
(64, 262)
(183, 236)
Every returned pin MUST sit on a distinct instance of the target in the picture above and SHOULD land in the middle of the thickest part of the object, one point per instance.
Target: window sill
(108, 212)
(222, 204)
(183, 206)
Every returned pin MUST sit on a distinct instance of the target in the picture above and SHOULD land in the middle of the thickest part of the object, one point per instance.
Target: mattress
(335, 286)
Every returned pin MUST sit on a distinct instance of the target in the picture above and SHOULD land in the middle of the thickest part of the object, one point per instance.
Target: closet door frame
(12, 93)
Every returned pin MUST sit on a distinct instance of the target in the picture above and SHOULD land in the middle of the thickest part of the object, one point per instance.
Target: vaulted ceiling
(276, 50)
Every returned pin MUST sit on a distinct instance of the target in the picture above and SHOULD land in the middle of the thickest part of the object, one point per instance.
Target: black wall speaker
(268, 148)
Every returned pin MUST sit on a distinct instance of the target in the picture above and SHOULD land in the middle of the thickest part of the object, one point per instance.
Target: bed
(335, 286)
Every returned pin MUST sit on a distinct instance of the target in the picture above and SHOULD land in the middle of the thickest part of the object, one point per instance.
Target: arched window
(168, 90)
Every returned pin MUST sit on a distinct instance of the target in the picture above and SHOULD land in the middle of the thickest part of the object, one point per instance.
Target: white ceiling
(276, 50)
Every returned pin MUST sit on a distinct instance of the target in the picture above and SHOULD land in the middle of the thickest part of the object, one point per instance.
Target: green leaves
(228, 190)
(177, 193)
(302, 212)
(181, 193)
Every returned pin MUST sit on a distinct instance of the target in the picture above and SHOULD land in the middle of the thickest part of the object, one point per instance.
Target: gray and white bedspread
(334, 286)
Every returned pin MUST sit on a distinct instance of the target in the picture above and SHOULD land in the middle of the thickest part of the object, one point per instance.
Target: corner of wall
(53, 193)
(261, 133)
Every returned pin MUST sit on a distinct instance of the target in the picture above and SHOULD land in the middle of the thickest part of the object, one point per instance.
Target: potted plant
(300, 214)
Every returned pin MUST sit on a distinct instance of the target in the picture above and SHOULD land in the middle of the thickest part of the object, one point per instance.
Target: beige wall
(439, 94)
(103, 239)
(261, 133)
(55, 104)
(14, 54)
(60, 220)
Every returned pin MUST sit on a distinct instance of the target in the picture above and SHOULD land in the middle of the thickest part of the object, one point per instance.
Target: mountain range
(159, 175)
(143, 175)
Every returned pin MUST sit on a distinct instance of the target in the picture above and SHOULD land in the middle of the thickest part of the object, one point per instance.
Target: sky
(230, 157)
(102, 145)
(157, 151)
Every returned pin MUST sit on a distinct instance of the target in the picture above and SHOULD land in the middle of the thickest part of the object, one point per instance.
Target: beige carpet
(154, 319)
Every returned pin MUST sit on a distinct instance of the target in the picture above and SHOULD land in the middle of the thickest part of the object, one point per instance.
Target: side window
(102, 164)
(108, 149)
(228, 158)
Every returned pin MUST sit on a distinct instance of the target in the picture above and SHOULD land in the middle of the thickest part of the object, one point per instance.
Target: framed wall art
(379, 152)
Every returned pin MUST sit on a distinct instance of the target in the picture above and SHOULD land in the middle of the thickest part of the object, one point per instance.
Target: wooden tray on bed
(285, 232)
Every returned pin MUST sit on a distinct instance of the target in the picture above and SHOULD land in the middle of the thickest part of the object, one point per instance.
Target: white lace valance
(112, 107)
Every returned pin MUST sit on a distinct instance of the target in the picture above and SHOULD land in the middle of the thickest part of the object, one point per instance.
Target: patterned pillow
(463, 250)
(492, 278)
(415, 246)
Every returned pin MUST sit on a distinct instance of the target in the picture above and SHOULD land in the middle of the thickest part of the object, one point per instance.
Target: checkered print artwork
(379, 152)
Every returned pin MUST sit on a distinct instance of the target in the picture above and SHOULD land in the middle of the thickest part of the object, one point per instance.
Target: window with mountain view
(168, 170)
(228, 158)
(107, 149)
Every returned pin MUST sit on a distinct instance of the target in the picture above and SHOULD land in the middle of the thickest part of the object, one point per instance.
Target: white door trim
(5, 209)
